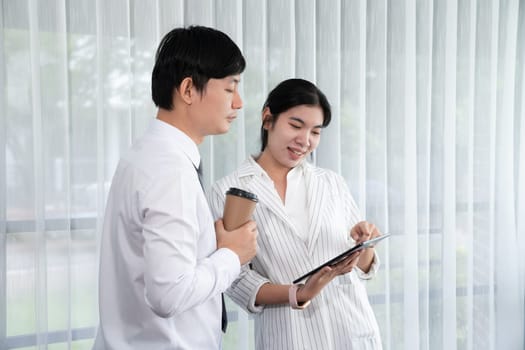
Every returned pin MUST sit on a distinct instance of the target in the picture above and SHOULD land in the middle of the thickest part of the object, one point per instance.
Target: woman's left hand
(320, 279)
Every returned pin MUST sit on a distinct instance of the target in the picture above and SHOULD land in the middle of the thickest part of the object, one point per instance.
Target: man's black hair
(198, 52)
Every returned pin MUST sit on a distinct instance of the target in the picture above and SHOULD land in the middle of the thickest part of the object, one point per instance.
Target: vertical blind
(428, 129)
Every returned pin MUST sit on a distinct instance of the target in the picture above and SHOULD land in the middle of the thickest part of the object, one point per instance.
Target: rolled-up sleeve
(244, 289)
(374, 267)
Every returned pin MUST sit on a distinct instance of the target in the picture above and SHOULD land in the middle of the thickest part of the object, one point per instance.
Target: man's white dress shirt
(161, 276)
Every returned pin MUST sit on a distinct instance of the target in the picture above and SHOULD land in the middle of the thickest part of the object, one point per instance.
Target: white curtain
(428, 129)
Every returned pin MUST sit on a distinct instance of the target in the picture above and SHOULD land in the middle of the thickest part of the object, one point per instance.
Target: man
(163, 262)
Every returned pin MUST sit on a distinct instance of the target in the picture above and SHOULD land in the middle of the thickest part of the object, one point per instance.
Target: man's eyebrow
(236, 80)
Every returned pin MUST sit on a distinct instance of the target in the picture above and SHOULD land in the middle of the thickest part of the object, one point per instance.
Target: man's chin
(222, 130)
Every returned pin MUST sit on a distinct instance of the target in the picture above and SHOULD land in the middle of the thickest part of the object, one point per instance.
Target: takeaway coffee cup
(238, 208)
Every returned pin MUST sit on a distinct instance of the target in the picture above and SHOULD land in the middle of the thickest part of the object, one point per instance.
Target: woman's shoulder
(234, 178)
(323, 172)
(335, 181)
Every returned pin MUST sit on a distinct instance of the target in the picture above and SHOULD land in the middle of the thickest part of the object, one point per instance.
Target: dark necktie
(224, 320)
(199, 172)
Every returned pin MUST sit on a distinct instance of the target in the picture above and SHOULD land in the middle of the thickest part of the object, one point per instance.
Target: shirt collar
(177, 138)
(296, 173)
(252, 168)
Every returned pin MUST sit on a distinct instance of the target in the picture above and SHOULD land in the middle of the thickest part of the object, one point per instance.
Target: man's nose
(237, 101)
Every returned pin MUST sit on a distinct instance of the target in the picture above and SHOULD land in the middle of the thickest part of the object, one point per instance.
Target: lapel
(263, 188)
(316, 193)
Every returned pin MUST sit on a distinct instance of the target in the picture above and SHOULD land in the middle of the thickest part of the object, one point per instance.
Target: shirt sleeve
(373, 269)
(243, 291)
(182, 269)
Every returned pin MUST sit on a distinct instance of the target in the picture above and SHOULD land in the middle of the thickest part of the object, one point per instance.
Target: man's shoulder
(155, 157)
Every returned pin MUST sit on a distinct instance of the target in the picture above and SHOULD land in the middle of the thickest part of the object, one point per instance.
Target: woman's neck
(276, 172)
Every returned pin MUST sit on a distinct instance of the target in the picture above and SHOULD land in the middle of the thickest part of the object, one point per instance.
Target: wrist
(300, 295)
(293, 294)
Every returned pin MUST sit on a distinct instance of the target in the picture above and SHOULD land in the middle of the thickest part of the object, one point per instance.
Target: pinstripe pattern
(338, 318)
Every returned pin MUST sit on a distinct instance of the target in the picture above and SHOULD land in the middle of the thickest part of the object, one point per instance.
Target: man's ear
(185, 90)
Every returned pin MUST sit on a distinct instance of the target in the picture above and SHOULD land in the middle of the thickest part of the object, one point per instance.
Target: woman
(305, 216)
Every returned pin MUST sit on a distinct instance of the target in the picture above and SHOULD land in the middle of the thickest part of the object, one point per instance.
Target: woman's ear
(185, 90)
(266, 118)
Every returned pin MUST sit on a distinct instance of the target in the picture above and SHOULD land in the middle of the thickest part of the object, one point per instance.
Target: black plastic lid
(242, 193)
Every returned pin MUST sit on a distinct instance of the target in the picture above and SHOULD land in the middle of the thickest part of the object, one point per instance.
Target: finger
(219, 227)
(368, 229)
(352, 261)
(372, 230)
(353, 258)
(348, 269)
(319, 277)
(357, 231)
(364, 231)
(250, 225)
(376, 233)
(347, 261)
(344, 269)
(324, 271)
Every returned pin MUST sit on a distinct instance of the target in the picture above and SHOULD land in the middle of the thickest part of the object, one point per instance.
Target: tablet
(344, 255)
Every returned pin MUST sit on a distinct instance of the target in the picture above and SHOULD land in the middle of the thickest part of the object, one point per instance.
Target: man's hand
(242, 241)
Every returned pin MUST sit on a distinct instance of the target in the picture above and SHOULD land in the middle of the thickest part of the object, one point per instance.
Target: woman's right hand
(319, 280)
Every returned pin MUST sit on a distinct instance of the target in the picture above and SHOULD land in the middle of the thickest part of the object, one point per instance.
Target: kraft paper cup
(238, 208)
